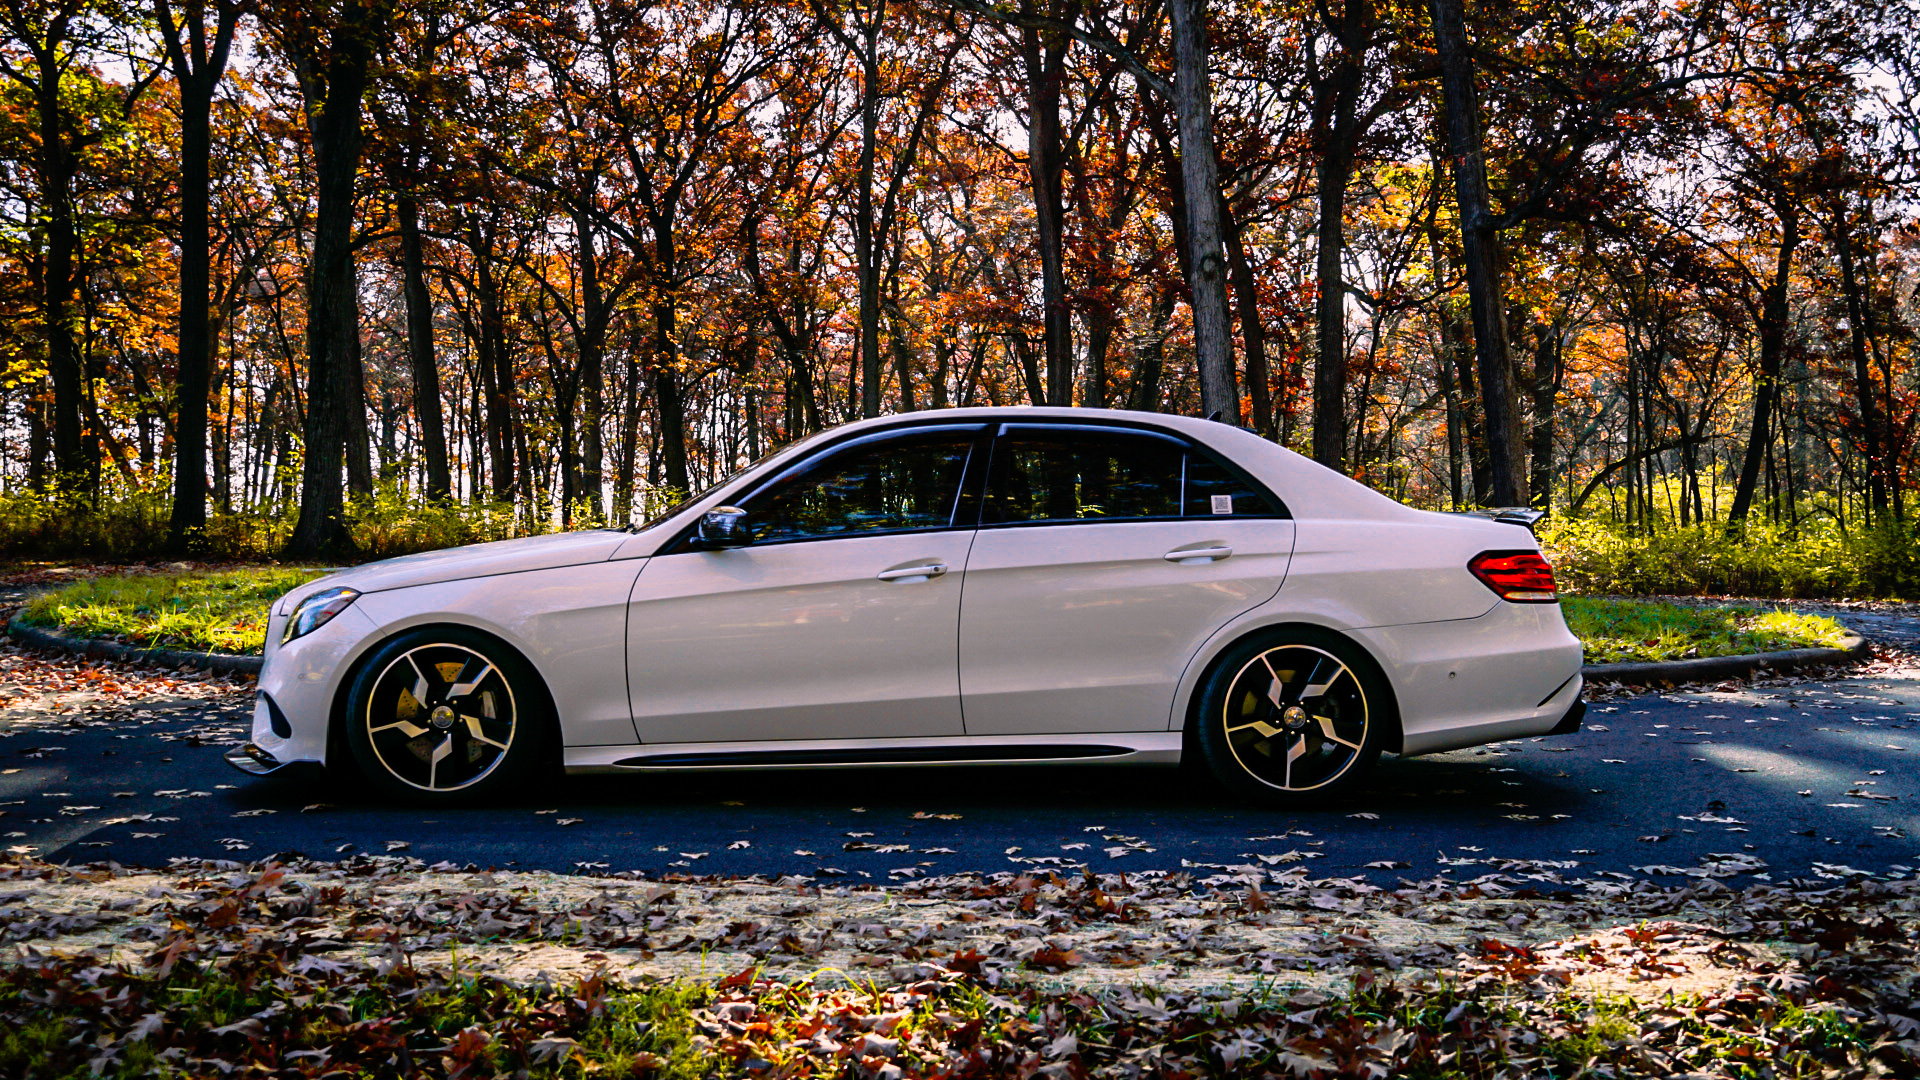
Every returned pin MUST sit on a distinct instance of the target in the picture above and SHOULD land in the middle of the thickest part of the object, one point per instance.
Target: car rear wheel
(1293, 717)
(446, 715)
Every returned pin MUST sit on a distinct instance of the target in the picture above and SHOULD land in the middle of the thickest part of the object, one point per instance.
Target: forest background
(344, 278)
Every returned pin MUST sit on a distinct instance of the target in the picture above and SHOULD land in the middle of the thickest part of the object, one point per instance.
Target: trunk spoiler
(1509, 515)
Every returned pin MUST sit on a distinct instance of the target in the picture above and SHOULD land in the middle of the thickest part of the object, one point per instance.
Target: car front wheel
(447, 715)
(1293, 717)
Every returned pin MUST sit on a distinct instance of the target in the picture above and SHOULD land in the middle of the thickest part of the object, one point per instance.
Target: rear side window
(1212, 491)
(1106, 474)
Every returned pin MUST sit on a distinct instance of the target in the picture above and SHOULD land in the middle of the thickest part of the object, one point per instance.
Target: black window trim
(965, 513)
(1191, 446)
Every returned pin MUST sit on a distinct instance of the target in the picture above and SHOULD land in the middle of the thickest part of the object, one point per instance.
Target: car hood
(471, 561)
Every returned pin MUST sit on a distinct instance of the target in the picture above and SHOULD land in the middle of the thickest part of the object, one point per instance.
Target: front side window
(1058, 474)
(887, 485)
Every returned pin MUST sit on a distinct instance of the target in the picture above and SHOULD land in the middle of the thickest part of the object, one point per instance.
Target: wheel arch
(337, 751)
(1201, 669)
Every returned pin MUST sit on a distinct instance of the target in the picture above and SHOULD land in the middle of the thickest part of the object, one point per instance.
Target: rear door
(1106, 555)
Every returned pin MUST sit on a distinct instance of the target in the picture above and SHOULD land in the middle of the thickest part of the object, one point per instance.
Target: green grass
(221, 611)
(225, 611)
(1617, 631)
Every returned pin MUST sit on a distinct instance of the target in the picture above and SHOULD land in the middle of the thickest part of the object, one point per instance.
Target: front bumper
(253, 760)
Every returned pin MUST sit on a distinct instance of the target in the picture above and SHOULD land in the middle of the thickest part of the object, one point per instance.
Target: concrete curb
(218, 663)
(1853, 649)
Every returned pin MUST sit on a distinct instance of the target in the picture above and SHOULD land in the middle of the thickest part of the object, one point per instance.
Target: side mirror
(724, 527)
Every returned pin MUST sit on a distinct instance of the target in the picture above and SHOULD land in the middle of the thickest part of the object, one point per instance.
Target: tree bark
(668, 404)
(1253, 330)
(1548, 370)
(1207, 275)
(333, 79)
(58, 165)
(1480, 249)
(197, 66)
(596, 315)
(421, 354)
(1336, 100)
(1880, 478)
(1774, 312)
(1044, 57)
(866, 251)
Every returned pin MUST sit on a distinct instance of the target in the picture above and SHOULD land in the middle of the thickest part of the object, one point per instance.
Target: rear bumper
(1513, 672)
(1570, 723)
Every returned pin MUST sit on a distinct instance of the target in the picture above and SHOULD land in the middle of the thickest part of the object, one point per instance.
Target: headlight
(315, 610)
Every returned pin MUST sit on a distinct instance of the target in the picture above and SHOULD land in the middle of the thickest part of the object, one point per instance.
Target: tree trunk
(1336, 99)
(866, 249)
(1044, 54)
(1150, 355)
(1774, 311)
(195, 365)
(596, 314)
(1480, 249)
(668, 404)
(1866, 398)
(333, 84)
(1207, 276)
(57, 167)
(1548, 367)
(1253, 330)
(496, 370)
(421, 354)
(197, 66)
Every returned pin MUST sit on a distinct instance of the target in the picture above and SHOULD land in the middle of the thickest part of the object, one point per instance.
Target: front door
(839, 620)
(1105, 557)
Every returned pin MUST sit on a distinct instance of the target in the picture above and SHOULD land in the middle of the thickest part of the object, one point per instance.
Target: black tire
(1293, 717)
(484, 729)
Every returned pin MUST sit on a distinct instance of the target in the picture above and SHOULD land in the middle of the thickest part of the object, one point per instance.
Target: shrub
(1818, 559)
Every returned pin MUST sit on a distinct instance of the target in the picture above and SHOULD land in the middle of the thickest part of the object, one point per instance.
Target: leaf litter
(1242, 971)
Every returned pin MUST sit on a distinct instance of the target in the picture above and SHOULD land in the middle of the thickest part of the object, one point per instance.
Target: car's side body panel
(1364, 573)
(1085, 627)
(1455, 655)
(569, 622)
(799, 640)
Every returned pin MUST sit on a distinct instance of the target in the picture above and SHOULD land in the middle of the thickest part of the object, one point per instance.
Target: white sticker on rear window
(1223, 504)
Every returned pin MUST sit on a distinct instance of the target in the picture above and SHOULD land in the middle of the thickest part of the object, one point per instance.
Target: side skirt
(1130, 748)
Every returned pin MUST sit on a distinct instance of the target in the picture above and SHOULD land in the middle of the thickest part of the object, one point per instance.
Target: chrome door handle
(913, 573)
(1187, 556)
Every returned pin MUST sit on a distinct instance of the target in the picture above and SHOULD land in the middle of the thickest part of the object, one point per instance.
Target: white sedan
(963, 586)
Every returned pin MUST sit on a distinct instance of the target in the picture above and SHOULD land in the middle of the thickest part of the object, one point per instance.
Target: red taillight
(1520, 576)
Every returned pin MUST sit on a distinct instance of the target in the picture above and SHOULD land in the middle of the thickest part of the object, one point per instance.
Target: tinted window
(1212, 490)
(1061, 475)
(909, 482)
(1069, 475)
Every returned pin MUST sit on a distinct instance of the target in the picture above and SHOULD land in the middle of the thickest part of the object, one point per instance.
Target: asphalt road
(1782, 781)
